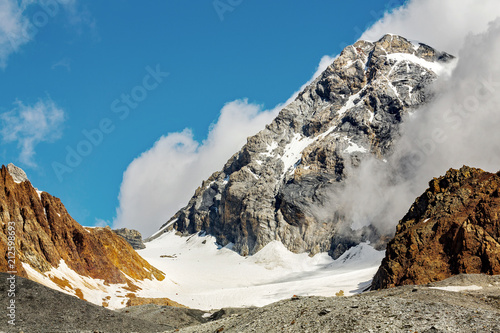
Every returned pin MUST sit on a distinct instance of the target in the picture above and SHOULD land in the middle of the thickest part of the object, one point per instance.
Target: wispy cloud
(80, 18)
(65, 63)
(444, 24)
(17, 28)
(101, 223)
(28, 125)
(13, 29)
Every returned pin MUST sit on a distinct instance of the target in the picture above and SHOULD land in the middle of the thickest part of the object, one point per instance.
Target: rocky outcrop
(454, 227)
(133, 237)
(278, 185)
(47, 237)
(18, 174)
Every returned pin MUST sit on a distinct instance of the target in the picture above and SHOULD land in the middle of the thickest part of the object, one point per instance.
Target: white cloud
(443, 24)
(459, 127)
(80, 18)
(64, 63)
(18, 28)
(162, 180)
(28, 125)
(13, 29)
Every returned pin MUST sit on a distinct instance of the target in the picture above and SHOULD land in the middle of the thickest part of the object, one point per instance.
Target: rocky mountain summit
(17, 174)
(52, 248)
(279, 185)
(453, 228)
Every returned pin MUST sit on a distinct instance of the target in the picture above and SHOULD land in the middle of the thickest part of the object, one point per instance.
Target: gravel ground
(412, 309)
(178, 317)
(41, 309)
(404, 309)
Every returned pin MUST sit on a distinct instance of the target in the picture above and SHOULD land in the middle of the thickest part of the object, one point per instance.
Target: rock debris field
(463, 303)
(404, 309)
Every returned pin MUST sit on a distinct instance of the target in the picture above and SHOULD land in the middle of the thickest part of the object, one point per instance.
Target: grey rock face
(133, 237)
(17, 173)
(271, 189)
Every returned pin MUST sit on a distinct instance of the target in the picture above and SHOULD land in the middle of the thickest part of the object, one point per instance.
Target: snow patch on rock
(17, 173)
(92, 290)
(458, 288)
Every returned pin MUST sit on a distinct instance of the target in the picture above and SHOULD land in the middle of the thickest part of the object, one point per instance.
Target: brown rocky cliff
(453, 228)
(47, 234)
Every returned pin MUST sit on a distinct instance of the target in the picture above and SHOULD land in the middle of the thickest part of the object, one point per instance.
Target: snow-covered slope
(200, 274)
(97, 291)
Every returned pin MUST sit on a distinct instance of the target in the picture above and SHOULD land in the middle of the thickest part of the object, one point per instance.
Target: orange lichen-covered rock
(45, 234)
(453, 228)
(134, 301)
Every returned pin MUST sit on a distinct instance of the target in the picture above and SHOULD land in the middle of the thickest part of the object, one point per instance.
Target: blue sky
(85, 55)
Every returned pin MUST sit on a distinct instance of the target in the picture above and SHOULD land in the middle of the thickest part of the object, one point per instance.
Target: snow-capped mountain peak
(270, 189)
